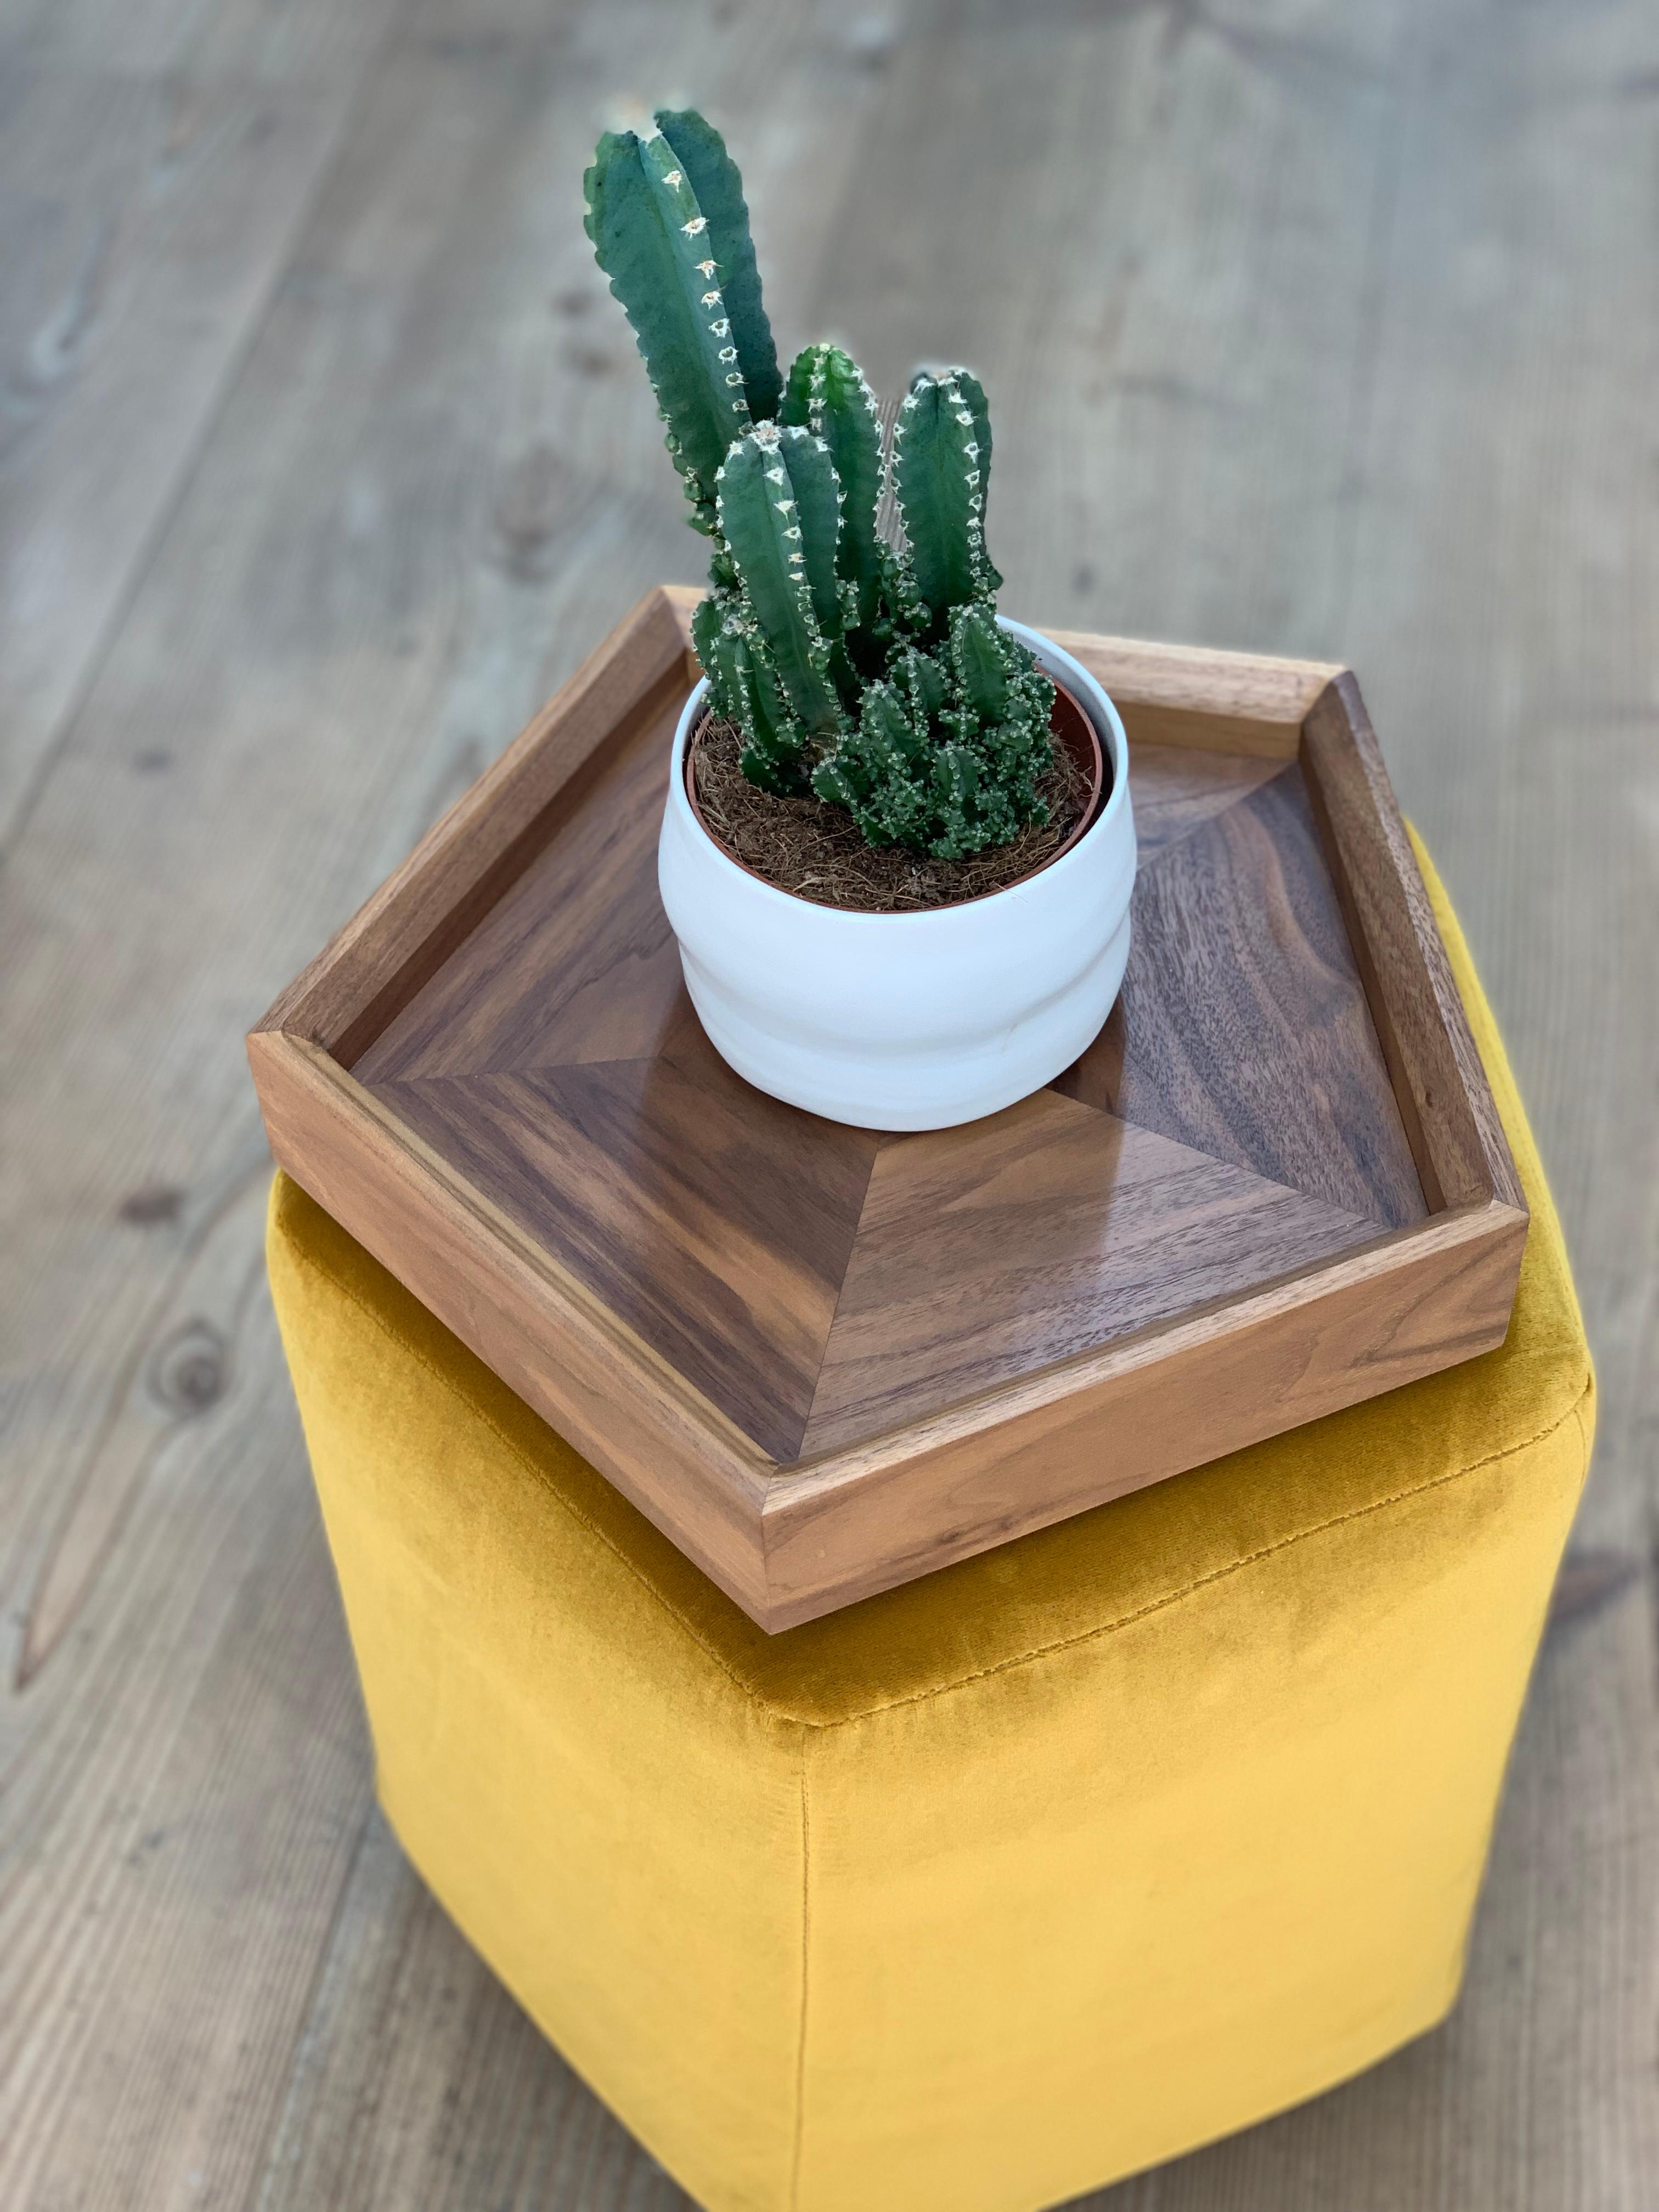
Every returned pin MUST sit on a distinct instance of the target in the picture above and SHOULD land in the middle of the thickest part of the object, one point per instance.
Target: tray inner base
(1233, 1123)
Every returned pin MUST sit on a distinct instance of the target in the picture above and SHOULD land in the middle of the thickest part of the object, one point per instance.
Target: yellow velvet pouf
(977, 1894)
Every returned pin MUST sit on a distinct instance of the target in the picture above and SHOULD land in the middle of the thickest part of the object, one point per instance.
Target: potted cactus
(898, 850)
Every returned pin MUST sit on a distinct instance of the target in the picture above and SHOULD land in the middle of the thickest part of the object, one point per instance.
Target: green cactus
(880, 771)
(1003, 714)
(828, 395)
(923, 684)
(949, 757)
(719, 639)
(876, 681)
(982, 662)
(717, 187)
(941, 469)
(666, 216)
(745, 689)
(779, 509)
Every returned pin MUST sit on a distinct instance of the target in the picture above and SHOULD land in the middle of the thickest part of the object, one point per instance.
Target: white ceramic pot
(907, 1021)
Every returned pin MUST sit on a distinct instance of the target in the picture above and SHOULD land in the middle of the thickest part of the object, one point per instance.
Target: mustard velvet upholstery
(977, 1894)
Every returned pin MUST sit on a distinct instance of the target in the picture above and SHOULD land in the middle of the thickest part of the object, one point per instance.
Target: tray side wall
(665, 1449)
(407, 928)
(1193, 696)
(1423, 1299)
(1451, 1118)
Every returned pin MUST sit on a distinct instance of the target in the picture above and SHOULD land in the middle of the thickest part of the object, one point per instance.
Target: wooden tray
(823, 1360)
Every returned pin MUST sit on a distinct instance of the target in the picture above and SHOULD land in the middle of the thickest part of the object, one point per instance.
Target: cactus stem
(875, 676)
(646, 194)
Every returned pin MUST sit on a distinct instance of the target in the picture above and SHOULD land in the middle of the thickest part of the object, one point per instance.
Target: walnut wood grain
(575, 961)
(632, 1415)
(1188, 694)
(1178, 788)
(1244, 1027)
(715, 1222)
(554, 1060)
(1463, 1154)
(1044, 1231)
(1114, 1420)
(757, 1322)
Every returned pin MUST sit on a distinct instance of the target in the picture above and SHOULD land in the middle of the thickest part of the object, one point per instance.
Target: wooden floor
(1320, 326)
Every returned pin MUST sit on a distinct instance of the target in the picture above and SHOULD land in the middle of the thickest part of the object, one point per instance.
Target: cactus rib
(827, 394)
(717, 187)
(664, 255)
(777, 502)
(941, 468)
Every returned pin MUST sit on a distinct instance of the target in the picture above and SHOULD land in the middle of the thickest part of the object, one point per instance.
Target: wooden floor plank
(152, 195)
(1310, 327)
(178, 1775)
(1499, 539)
(419, 2080)
(437, 480)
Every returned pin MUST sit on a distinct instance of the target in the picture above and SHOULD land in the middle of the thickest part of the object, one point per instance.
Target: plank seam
(271, 2154)
(232, 372)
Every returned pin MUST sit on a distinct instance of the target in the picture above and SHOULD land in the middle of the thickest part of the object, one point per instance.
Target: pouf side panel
(611, 1818)
(1090, 1912)
(1059, 1583)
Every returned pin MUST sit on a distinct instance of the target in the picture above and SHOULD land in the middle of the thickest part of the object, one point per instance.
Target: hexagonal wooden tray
(824, 1360)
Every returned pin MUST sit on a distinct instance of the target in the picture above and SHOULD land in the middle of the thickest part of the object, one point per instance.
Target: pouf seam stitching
(961, 1681)
(799, 2149)
(1220, 1574)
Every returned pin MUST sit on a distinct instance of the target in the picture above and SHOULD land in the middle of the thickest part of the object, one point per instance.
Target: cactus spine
(717, 189)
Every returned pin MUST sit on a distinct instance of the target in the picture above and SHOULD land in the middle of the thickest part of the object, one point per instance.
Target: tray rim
(790, 1541)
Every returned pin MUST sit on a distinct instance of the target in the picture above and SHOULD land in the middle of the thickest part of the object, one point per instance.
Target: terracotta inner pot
(1069, 724)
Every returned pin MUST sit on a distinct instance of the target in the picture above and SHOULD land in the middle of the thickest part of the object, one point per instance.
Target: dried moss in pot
(819, 853)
